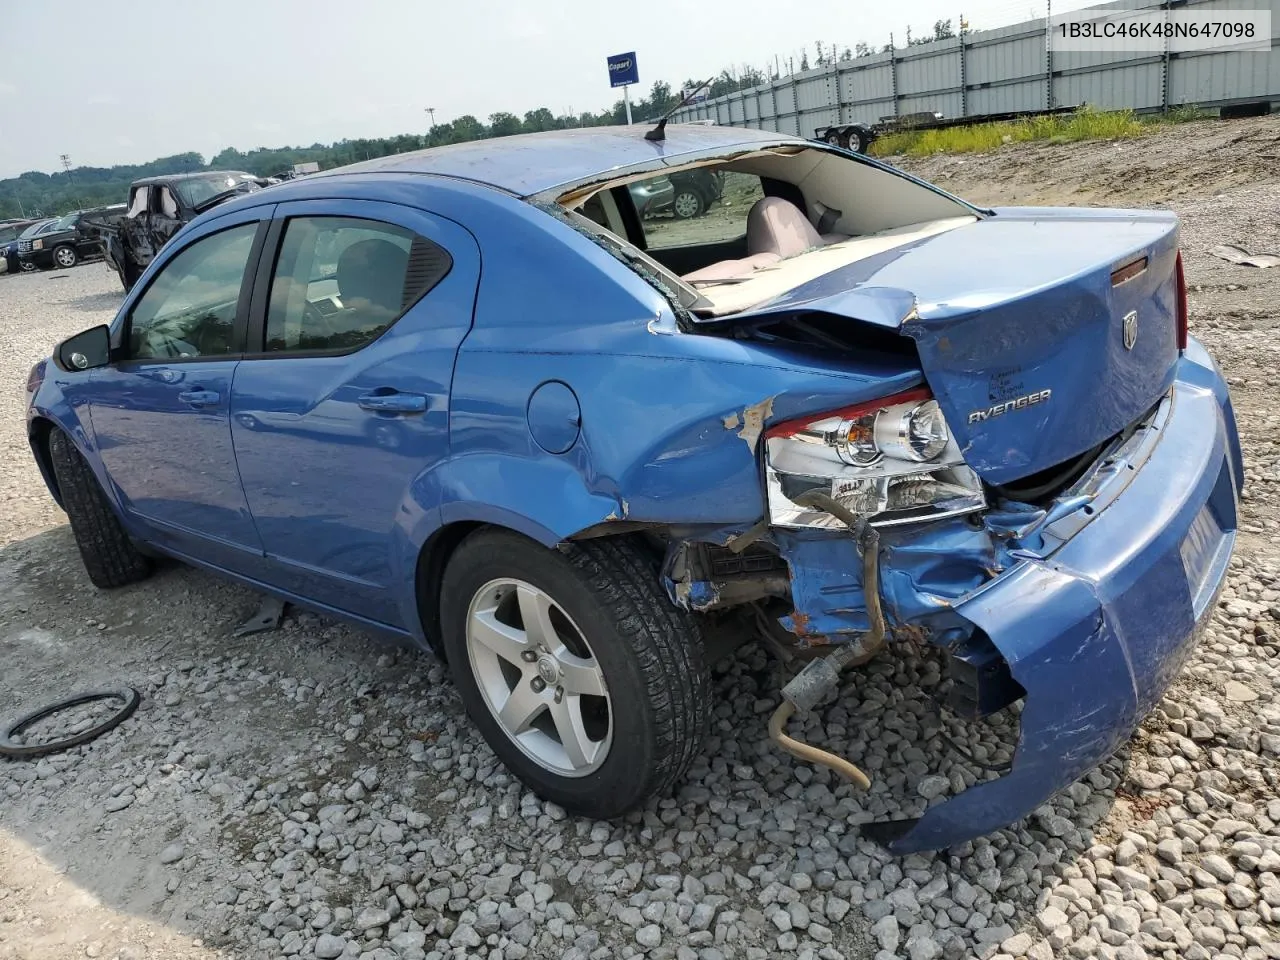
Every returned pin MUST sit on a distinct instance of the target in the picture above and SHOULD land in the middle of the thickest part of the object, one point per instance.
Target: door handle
(198, 398)
(393, 401)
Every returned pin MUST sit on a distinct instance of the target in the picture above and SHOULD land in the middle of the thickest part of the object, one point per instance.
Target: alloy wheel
(539, 678)
(65, 256)
(687, 204)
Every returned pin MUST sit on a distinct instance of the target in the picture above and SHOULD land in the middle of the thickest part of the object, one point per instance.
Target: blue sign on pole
(623, 69)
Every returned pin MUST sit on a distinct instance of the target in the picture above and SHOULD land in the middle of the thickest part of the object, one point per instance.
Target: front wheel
(65, 257)
(26, 266)
(584, 679)
(110, 557)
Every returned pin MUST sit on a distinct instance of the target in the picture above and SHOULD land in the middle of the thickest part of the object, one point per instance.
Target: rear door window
(695, 207)
(340, 282)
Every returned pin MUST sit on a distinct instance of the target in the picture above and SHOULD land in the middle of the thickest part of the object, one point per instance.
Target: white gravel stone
(172, 853)
(886, 933)
(933, 787)
(372, 917)
(649, 936)
(329, 947)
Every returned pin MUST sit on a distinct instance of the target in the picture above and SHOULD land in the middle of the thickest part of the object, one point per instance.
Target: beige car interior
(862, 211)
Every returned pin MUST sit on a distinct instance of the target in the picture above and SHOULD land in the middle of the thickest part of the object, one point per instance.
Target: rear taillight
(1181, 297)
(891, 460)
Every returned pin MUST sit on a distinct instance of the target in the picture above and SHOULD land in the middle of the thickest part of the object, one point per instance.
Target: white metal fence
(1005, 70)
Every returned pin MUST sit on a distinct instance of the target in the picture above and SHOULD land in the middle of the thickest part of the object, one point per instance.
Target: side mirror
(86, 350)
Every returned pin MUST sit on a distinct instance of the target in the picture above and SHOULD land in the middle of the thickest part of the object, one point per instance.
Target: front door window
(190, 309)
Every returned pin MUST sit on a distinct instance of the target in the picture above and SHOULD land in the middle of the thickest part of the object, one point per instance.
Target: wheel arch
(434, 555)
(38, 433)
(428, 576)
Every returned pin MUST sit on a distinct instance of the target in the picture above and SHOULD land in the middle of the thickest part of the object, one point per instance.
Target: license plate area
(1205, 550)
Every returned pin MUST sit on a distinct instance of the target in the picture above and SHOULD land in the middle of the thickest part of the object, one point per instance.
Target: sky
(109, 83)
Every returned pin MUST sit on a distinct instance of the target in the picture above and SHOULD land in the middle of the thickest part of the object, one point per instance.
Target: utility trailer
(859, 136)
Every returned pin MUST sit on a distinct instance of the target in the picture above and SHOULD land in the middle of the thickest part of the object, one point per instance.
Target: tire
(833, 137)
(603, 601)
(129, 699)
(858, 141)
(26, 266)
(64, 257)
(688, 203)
(109, 556)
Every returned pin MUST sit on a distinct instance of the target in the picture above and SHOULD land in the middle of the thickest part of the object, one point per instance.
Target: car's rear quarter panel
(669, 421)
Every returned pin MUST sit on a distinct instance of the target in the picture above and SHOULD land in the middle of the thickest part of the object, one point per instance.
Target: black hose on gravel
(128, 697)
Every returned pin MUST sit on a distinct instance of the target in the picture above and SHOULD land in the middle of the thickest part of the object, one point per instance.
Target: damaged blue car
(470, 398)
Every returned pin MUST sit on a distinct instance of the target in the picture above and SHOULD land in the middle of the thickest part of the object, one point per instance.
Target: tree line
(36, 194)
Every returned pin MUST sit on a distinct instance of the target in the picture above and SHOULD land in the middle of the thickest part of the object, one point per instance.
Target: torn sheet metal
(1096, 635)
(268, 616)
(754, 417)
(923, 572)
(1082, 697)
(702, 570)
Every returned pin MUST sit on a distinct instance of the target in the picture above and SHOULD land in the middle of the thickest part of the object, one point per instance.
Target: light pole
(66, 166)
(432, 111)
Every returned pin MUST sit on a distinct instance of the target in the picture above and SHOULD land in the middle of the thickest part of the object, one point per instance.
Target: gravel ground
(312, 793)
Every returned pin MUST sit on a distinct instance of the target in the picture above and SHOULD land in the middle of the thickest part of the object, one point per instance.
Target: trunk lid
(1020, 323)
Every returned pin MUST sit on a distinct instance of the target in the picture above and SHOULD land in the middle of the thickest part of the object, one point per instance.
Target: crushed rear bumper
(1097, 629)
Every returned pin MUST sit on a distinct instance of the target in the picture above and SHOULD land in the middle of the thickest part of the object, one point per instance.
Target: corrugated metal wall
(1005, 70)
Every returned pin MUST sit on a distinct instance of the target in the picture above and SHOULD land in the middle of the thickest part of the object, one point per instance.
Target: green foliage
(942, 30)
(504, 124)
(1083, 124)
(1183, 113)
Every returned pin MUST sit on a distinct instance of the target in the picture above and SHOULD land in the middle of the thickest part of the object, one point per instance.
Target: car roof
(530, 163)
(200, 175)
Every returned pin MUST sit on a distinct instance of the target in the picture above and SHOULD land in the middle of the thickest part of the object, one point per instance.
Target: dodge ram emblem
(1130, 329)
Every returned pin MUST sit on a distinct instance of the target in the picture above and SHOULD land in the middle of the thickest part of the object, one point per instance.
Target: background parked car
(695, 191)
(652, 197)
(159, 207)
(683, 195)
(75, 237)
(10, 230)
(33, 228)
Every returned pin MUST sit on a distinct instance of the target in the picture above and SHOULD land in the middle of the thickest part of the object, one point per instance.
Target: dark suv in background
(75, 237)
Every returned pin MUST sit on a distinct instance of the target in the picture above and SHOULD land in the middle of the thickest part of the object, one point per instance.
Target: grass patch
(1183, 113)
(1084, 124)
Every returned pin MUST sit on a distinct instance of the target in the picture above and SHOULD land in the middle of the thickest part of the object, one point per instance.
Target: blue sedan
(468, 398)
